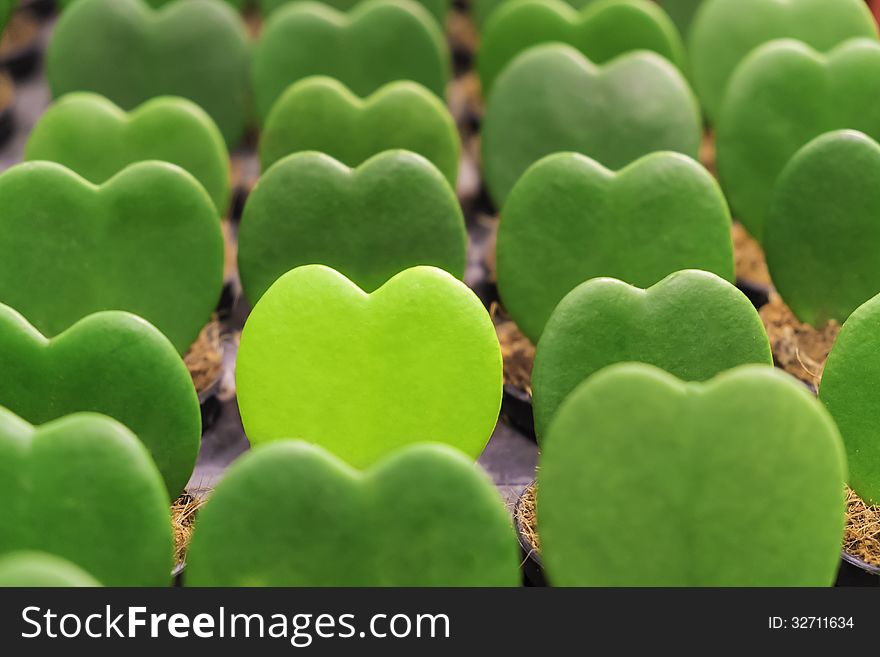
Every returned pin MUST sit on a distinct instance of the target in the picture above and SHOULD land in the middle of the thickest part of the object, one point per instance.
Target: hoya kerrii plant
(601, 30)
(569, 219)
(238, 4)
(41, 570)
(848, 388)
(415, 360)
(197, 49)
(393, 212)
(322, 114)
(783, 95)
(601, 112)
(94, 137)
(692, 324)
(442, 522)
(112, 363)
(85, 489)
(147, 241)
(720, 483)
(377, 42)
(437, 8)
(822, 232)
(725, 31)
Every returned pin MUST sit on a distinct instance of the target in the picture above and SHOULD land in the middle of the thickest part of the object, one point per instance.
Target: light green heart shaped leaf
(424, 516)
(849, 387)
(692, 324)
(725, 31)
(111, 363)
(784, 95)
(85, 489)
(197, 49)
(362, 375)
(569, 219)
(437, 8)
(823, 227)
(378, 42)
(321, 114)
(602, 31)
(95, 138)
(394, 212)
(147, 241)
(551, 99)
(41, 570)
(648, 481)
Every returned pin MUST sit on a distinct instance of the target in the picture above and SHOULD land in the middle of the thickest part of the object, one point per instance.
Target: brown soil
(7, 92)
(749, 257)
(799, 349)
(517, 351)
(204, 360)
(20, 33)
(862, 537)
(707, 152)
(527, 518)
(461, 32)
(183, 517)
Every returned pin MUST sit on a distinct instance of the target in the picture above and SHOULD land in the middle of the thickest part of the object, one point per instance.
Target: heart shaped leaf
(437, 8)
(822, 233)
(85, 489)
(849, 389)
(197, 49)
(719, 483)
(378, 42)
(147, 241)
(38, 569)
(551, 99)
(569, 219)
(483, 9)
(602, 31)
(363, 375)
(321, 114)
(784, 95)
(692, 324)
(95, 138)
(424, 516)
(111, 363)
(394, 212)
(725, 31)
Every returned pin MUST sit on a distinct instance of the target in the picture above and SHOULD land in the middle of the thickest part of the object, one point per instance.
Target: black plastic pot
(516, 410)
(855, 572)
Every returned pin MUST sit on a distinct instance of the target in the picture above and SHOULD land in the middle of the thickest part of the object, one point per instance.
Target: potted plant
(692, 324)
(528, 117)
(679, 461)
(847, 386)
(601, 30)
(818, 238)
(725, 31)
(415, 360)
(84, 488)
(393, 212)
(112, 363)
(376, 43)
(197, 49)
(442, 522)
(322, 114)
